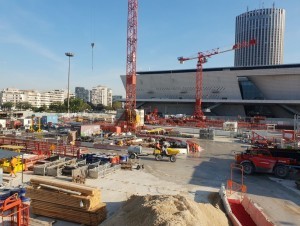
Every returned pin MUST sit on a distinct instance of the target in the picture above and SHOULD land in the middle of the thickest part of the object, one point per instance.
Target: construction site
(135, 167)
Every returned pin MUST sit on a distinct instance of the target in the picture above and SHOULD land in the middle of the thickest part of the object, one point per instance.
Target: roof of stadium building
(280, 66)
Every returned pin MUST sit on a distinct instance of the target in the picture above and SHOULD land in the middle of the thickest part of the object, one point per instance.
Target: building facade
(33, 97)
(12, 95)
(267, 27)
(116, 98)
(101, 95)
(272, 91)
(82, 93)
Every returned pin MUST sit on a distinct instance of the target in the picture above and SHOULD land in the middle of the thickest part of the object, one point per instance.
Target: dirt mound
(166, 210)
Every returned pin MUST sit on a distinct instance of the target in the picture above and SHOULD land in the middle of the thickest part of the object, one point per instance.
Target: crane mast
(201, 59)
(130, 104)
(131, 55)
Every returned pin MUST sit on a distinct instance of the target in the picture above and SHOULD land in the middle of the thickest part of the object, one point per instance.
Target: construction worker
(13, 164)
(157, 145)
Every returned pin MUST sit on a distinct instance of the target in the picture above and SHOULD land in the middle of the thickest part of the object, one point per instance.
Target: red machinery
(277, 161)
(202, 58)
(14, 212)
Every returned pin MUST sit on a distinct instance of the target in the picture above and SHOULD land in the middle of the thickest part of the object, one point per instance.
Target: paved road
(212, 168)
(198, 175)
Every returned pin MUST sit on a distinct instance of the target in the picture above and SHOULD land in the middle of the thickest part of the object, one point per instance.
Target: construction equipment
(202, 58)
(168, 152)
(128, 119)
(130, 105)
(14, 212)
(134, 152)
(269, 160)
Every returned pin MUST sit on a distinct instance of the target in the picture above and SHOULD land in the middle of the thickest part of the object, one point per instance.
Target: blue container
(4, 194)
(15, 191)
(22, 192)
(123, 158)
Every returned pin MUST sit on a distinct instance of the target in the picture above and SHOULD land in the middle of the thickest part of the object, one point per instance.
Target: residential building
(34, 97)
(101, 95)
(12, 95)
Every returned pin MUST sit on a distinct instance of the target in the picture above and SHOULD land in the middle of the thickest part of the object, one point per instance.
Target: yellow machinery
(32, 124)
(170, 153)
(5, 163)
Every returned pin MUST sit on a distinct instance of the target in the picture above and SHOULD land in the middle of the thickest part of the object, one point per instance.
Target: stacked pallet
(67, 201)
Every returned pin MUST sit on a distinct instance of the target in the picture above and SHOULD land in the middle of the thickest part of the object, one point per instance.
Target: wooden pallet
(126, 166)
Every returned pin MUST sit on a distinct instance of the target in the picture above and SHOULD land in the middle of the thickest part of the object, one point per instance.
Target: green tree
(7, 105)
(117, 105)
(43, 108)
(77, 105)
(23, 105)
(57, 107)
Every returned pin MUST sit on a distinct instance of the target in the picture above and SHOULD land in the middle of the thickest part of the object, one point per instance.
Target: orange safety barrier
(14, 212)
(256, 212)
(41, 147)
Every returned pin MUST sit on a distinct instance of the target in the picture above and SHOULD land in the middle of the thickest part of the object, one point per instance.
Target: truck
(269, 160)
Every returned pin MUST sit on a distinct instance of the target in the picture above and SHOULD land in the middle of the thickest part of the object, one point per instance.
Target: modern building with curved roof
(273, 91)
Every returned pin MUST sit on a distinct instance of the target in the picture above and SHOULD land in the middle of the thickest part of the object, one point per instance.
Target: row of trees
(76, 105)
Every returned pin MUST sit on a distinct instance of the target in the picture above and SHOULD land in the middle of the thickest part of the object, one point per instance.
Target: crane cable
(92, 32)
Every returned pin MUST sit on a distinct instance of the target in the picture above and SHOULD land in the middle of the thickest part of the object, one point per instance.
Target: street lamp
(69, 54)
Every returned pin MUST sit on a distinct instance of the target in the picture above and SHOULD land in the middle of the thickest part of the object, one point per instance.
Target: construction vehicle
(266, 160)
(168, 152)
(135, 152)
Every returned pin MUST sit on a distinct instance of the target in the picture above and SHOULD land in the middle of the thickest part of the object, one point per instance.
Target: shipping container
(86, 130)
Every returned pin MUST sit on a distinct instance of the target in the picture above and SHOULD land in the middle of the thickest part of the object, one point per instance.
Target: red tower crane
(130, 105)
(202, 58)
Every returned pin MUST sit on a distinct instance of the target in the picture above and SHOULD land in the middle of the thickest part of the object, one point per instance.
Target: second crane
(202, 58)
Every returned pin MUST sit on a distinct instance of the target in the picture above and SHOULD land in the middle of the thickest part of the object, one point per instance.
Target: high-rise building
(267, 27)
(82, 93)
(101, 95)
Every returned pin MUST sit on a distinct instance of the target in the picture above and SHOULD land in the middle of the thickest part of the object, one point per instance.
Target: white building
(11, 95)
(267, 27)
(101, 95)
(34, 97)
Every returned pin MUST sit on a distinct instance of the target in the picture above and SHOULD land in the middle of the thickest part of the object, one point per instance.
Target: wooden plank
(88, 202)
(84, 189)
(92, 217)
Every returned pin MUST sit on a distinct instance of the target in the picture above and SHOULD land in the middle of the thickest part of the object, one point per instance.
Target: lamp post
(69, 54)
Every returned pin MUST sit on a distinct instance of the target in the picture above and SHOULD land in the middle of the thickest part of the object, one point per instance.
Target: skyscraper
(267, 27)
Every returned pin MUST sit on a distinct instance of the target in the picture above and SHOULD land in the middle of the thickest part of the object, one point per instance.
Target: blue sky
(35, 34)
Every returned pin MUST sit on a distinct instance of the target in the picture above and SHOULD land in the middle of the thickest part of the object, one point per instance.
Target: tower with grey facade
(82, 93)
(267, 27)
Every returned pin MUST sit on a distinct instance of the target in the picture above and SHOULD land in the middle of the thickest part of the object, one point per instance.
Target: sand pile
(166, 210)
